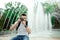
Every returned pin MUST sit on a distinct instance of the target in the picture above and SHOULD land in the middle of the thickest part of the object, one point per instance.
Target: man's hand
(28, 30)
(24, 22)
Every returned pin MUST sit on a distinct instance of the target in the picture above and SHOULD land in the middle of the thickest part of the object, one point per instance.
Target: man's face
(24, 17)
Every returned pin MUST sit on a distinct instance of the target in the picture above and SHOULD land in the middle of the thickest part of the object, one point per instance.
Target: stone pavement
(8, 37)
(40, 36)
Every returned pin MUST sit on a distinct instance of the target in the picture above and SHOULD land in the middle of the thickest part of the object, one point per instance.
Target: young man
(23, 30)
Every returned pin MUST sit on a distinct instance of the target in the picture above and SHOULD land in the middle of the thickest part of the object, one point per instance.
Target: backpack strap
(20, 23)
(26, 24)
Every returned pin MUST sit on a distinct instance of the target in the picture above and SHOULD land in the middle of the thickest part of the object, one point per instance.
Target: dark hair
(23, 14)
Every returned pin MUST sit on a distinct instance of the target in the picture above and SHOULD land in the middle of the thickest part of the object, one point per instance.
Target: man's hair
(23, 14)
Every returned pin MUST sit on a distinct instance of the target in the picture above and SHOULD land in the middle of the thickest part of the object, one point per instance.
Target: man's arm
(28, 30)
(15, 25)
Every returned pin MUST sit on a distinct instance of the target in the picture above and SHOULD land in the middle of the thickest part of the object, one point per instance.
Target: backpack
(20, 23)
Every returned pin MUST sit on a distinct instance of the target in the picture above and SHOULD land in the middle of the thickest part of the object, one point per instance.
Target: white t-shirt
(22, 30)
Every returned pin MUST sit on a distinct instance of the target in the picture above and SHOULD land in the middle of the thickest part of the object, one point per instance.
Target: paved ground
(8, 37)
(45, 36)
(32, 38)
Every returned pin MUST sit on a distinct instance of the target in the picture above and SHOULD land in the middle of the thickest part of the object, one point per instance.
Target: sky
(28, 3)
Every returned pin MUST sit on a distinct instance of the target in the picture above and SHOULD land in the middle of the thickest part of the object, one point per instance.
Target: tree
(11, 13)
(49, 9)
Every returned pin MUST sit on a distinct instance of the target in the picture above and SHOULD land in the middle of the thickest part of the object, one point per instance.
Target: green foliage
(11, 13)
(49, 8)
(53, 20)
